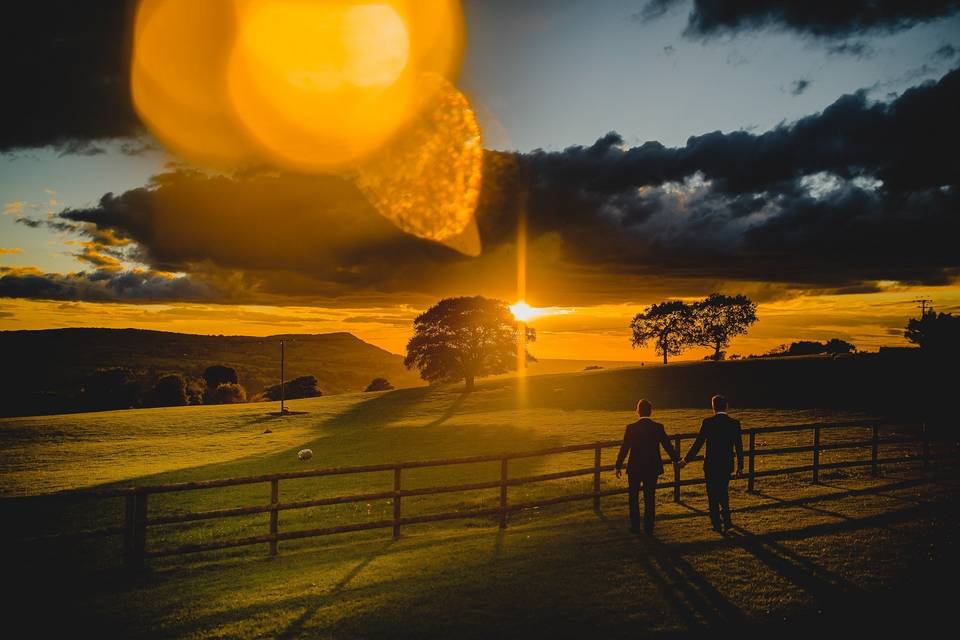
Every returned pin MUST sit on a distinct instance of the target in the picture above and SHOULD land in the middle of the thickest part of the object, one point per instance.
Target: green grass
(563, 565)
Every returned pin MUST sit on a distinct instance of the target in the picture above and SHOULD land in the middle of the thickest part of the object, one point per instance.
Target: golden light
(357, 87)
(524, 312)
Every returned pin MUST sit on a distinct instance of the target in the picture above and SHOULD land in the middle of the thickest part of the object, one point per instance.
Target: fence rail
(136, 520)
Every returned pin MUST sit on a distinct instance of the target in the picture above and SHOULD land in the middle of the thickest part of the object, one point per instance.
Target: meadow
(801, 548)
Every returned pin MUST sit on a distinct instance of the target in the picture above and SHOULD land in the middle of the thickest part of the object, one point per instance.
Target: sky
(655, 149)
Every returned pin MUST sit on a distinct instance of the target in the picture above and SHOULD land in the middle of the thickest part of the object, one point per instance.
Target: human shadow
(694, 598)
(824, 585)
(294, 628)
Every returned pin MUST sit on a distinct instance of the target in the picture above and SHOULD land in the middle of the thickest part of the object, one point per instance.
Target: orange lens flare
(356, 86)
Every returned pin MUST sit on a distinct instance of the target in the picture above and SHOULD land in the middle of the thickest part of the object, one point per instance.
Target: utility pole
(923, 305)
(282, 408)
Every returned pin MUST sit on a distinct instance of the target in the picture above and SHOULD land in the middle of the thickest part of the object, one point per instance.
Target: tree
(718, 318)
(937, 333)
(464, 338)
(668, 325)
(171, 391)
(111, 388)
(196, 390)
(836, 345)
(229, 393)
(379, 384)
(216, 375)
(302, 387)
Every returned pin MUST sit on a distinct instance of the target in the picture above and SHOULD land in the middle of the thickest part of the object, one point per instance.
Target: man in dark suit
(722, 436)
(642, 440)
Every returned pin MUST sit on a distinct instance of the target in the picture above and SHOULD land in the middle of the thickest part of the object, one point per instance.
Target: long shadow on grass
(295, 627)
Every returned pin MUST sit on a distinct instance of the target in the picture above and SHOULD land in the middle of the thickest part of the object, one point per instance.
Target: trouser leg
(649, 503)
(713, 499)
(723, 498)
(633, 498)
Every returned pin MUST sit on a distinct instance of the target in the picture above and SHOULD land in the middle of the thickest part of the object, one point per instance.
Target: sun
(524, 312)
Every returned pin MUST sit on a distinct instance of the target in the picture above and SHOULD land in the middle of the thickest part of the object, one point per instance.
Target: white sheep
(305, 454)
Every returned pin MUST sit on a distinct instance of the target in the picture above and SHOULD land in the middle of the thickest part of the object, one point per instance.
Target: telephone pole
(283, 410)
(923, 302)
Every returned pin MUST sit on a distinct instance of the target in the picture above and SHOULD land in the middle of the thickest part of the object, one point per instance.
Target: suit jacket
(721, 433)
(642, 440)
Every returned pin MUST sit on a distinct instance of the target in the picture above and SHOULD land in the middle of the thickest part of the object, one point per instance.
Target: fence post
(874, 467)
(752, 462)
(274, 514)
(596, 479)
(676, 471)
(396, 502)
(925, 439)
(503, 493)
(816, 454)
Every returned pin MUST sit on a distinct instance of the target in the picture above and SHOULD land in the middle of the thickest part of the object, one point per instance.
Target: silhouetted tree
(111, 388)
(668, 325)
(464, 338)
(836, 346)
(216, 375)
(170, 391)
(229, 393)
(718, 318)
(302, 387)
(935, 333)
(196, 390)
(379, 384)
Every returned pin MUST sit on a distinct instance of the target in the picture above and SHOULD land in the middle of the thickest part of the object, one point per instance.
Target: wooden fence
(137, 521)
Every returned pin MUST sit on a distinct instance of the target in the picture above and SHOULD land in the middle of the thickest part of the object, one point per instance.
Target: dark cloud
(821, 19)
(837, 201)
(65, 75)
(797, 87)
(946, 52)
(856, 49)
(101, 286)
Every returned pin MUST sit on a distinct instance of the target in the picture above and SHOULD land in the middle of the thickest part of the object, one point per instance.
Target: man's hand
(619, 473)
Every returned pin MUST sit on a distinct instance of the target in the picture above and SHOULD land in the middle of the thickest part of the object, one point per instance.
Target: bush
(196, 390)
(592, 367)
(111, 388)
(302, 387)
(229, 393)
(379, 384)
(170, 391)
(216, 375)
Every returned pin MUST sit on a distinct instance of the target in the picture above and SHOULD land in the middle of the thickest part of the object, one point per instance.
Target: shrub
(379, 384)
(229, 393)
(170, 391)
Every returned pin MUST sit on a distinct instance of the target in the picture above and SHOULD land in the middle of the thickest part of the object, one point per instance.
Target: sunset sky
(657, 149)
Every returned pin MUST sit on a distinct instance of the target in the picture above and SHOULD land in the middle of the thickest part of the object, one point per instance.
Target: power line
(922, 303)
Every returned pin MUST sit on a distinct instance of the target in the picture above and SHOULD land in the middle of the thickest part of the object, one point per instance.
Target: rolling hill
(45, 370)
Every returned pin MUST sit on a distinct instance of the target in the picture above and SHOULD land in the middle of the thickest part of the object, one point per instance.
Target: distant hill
(44, 370)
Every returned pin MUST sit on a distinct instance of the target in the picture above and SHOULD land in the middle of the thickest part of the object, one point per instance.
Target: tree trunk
(664, 356)
(716, 352)
(468, 382)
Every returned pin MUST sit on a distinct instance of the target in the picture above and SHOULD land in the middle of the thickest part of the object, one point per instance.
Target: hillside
(45, 369)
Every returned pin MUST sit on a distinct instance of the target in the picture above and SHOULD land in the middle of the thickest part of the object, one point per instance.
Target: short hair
(644, 408)
(718, 402)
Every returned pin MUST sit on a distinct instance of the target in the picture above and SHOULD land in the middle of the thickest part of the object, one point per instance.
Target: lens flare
(177, 80)
(356, 87)
(428, 181)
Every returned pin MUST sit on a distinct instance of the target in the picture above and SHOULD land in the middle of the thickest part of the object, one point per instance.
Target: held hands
(681, 463)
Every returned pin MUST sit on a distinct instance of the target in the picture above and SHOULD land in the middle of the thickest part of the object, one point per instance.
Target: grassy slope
(569, 567)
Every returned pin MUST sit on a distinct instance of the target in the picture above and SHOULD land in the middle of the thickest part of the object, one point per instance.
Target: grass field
(801, 549)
